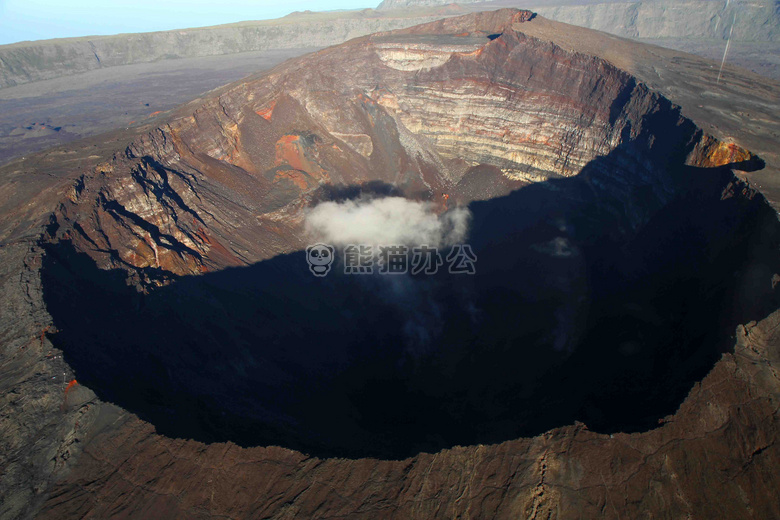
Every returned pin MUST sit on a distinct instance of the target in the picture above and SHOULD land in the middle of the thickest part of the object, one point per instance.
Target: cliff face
(417, 112)
(604, 214)
(703, 20)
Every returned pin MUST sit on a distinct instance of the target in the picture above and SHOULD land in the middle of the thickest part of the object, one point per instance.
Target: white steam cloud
(388, 221)
(393, 221)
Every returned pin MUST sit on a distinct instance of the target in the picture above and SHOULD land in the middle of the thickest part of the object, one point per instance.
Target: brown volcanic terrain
(678, 252)
(41, 115)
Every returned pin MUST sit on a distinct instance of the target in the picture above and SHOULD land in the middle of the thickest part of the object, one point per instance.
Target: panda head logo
(319, 257)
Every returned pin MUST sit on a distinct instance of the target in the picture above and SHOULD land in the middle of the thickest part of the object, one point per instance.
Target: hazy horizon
(31, 20)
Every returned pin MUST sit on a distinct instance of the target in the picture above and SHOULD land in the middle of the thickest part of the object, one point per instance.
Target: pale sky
(42, 19)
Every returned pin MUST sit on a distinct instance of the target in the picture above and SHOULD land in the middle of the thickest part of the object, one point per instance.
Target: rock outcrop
(572, 156)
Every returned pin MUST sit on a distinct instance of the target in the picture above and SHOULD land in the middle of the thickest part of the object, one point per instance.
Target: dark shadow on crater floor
(576, 312)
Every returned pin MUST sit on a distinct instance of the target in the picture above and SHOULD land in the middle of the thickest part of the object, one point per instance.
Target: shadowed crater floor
(579, 311)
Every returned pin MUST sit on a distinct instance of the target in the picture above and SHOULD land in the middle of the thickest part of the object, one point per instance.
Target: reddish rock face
(616, 200)
(424, 109)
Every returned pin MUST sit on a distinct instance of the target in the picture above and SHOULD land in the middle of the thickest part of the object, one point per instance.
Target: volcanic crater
(617, 252)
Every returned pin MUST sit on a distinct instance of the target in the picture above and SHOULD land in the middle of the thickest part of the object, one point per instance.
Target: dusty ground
(760, 57)
(39, 115)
